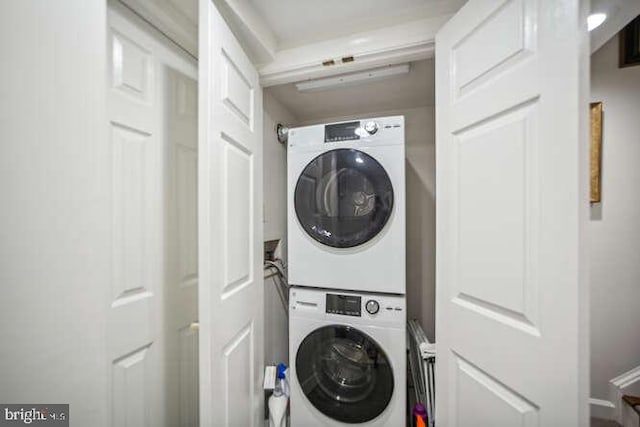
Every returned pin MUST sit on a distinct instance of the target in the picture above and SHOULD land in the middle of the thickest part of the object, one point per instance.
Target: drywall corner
(275, 225)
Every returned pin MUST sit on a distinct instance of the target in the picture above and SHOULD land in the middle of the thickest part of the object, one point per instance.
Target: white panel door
(511, 322)
(230, 228)
(134, 344)
(152, 113)
(181, 249)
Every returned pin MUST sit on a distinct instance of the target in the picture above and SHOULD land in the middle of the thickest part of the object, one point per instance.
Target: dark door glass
(344, 374)
(343, 198)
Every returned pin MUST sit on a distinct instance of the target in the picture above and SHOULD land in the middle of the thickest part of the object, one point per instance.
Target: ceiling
(619, 13)
(299, 22)
(415, 89)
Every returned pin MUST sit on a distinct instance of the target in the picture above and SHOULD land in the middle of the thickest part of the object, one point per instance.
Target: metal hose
(282, 287)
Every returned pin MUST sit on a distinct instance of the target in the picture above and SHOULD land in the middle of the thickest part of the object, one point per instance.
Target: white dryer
(346, 205)
(347, 358)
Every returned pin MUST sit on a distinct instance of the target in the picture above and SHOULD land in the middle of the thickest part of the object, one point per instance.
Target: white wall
(275, 224)
(420, 180)
(615, 224)
(54, 220)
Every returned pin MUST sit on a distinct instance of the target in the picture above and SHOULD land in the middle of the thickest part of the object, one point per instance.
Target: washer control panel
(352, 305)
(349, 305)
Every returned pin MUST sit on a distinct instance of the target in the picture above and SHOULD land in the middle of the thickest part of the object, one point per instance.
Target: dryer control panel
(368, 132)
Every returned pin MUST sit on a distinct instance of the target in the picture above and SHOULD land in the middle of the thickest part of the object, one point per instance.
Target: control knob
(372, 306)
(371, 127)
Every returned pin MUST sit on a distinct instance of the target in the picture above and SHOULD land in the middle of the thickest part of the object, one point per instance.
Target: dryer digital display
(341, 132)
(344, 304)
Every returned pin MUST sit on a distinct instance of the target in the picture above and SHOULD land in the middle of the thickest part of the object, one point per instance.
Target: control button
(371, 127)
(372, 306)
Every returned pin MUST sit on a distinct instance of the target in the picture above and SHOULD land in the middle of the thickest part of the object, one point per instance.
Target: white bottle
(279, 399)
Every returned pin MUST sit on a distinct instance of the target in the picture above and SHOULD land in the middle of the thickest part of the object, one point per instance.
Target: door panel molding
(151, 105)
(230, 228)
(512, 207)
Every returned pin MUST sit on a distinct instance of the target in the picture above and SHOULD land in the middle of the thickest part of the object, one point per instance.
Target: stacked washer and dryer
(346, 242)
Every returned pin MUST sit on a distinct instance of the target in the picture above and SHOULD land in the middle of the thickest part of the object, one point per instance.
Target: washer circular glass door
(343, 198)
(345, 374)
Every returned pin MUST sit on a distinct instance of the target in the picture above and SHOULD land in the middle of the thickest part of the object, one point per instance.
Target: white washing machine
(346, 205)
(347, 358)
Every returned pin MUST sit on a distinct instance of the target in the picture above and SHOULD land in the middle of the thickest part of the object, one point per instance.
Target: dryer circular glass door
(343, 198)
(345, 374)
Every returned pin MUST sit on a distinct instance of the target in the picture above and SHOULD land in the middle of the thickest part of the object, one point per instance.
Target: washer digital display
(348, 305)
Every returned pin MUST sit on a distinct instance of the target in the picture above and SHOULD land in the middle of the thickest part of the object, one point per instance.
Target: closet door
(511, 126)
(229, 228)
(135, 343)
(152, 305)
